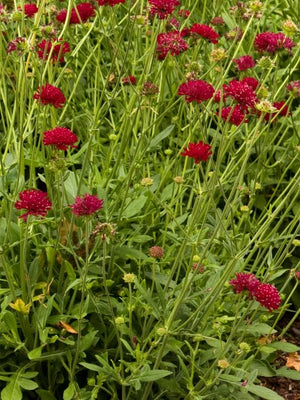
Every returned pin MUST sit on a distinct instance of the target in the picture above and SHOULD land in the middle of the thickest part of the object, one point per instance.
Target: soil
(287, 388)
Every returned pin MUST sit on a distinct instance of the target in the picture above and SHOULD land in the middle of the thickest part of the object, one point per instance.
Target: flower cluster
(234, 115)
(206, 32)
(34, 201)
(198, 151)
(129, 80)
(49, 94)
(170, 42)
(271, 42)
(60, 138)
(156, 252)
(86, 205)
(196, 90)
(54, 50)
(163, 8)
(79, 14)
(30, 10)
(265, 293)
(244, 62)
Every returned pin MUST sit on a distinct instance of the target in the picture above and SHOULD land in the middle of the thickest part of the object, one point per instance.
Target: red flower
(163, 8)
(281, 107)
(86, 205)
(34, 201)
(79, 14)
(244, 62)
(59, 49)
(217, 21)
(16, 44)
(30, 10)
(250, 81)
(199, 151)
(234, 115)
(245, 281)
(268, 296)
(109, 2)
(156, 252)
(196, 91)
(294, 87)
(206, 32)
(59, 137)
(49, 94)
(184, 13)
(241, 92)
(170, 42)
(272, 42)
(127, 80)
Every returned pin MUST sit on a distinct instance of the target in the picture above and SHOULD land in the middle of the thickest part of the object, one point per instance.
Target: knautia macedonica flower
(241, 92)
(198, 151)
(30, 10)
(271, 42)
(206, 32)
(245, 281)
(170, 42)
(129, 80)
(294, 88)
(233, 115)
(79, 14)
(163, 8)
(268, 296)
(156, 252)
(111, 3)
(34, 201)
(196, 90)
(86, 205)
(57, 54)
(49, 94)
(244, 62)
(19, 45)
(61, 138)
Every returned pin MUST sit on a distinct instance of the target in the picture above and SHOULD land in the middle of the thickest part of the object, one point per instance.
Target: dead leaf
(293, 361)
(68, 328)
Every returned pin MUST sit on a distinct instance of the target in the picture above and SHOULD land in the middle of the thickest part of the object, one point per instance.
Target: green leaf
(153, 375)
(35, 353)
(262, 368)
(91, 367)
(28, 384)
(127, 252)
(134, 207)
(288, 373)
(162, 135)
(284, 346)
(263, 392)
(69, 392)
(45, 395)
(168, 192)
(12, 391)
(87, 340)
(141, 238)
(258, 329)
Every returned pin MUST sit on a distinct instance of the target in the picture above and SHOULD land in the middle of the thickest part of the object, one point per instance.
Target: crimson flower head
(60, 138)
(206, 32)
(156, 252)
(30, 10)
(58, 52)
(233, 115)
(86, 205)
(49, 94)
(283, 111)
(196, 90)
(127, 80)
(79, 14)
(109, 2)
(271, 42)
(241, 92)
(34, 201)
(170, 42)
(268, 296)
(163, 8)
(244, 62)
(245, 281)
(199, 151)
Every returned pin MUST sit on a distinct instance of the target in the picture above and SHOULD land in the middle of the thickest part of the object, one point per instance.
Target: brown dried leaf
(293, 361)
(68, 328)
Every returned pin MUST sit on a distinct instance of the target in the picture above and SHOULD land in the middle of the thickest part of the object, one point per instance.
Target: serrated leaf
(11, 391)
(134, 207)
(162, 135)
(263, 392)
